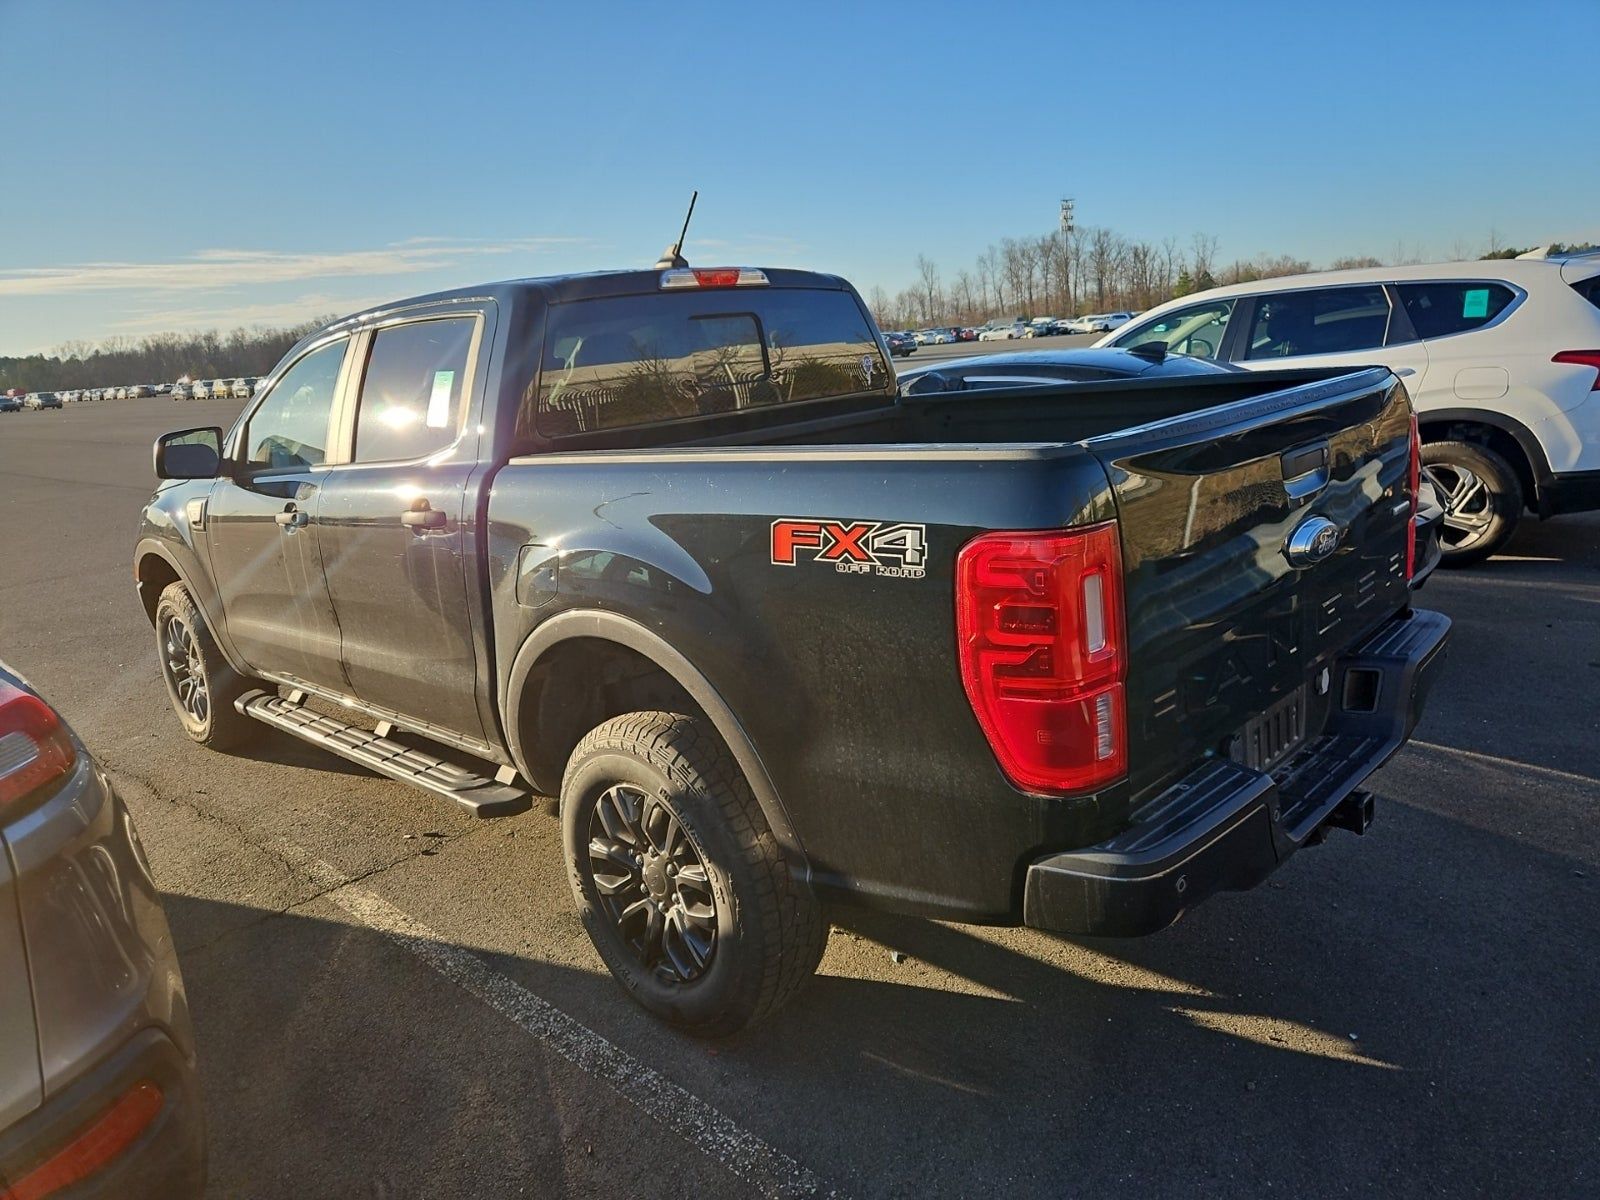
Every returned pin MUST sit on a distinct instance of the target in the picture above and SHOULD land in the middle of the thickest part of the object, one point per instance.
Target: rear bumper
(165, 1161)
(1572, 492)
(1225, 827)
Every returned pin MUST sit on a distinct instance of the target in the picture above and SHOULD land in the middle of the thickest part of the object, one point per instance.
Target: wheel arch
(583, 634)
(1505, 435)
(153, 572)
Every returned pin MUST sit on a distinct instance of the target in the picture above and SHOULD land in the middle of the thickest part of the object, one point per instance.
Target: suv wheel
(678, 879)
(1482, 500)
(200, 683)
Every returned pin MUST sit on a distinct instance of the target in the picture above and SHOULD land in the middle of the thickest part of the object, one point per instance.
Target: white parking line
(768, 1170)
(1511, 763)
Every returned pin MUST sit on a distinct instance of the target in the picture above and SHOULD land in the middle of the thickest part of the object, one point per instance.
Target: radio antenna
(672, 256)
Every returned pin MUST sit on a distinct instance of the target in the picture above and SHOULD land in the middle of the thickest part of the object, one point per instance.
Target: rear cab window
(641, 360)
(1453, 306)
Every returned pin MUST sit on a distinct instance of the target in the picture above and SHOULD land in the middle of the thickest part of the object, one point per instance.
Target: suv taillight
(34, 746)
(1581, 358)
(1414, 482)
(1039, 625)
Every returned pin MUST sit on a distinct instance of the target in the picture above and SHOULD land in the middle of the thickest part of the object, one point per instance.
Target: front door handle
(291, 517)
(422, 516)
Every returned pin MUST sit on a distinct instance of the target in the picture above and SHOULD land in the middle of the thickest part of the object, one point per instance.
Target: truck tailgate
(1229, 624)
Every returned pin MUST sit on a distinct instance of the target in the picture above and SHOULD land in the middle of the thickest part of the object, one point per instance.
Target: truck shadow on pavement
(981, 1058)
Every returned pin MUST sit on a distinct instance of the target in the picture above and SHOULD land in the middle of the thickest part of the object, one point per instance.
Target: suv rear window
(1439, 309)
(1589, 289)
(641, 360)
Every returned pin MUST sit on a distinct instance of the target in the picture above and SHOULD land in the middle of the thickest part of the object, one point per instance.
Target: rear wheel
(679, 881)
(1482, 500)
(200, 683)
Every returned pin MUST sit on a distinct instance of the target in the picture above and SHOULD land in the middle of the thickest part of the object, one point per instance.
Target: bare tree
(931, 289)
(1202, 256)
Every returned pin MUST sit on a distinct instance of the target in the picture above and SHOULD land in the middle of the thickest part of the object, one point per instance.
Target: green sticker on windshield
(1475, 303)
(439, 399)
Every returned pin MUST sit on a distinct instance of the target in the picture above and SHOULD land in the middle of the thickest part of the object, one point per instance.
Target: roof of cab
(592, 285)
(550, 289)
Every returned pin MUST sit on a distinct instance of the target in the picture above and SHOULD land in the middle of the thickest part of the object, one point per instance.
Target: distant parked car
(1003, 331)
(42, 400)
(243, 388)
(901, 345)
(935, 337)
(10, 404)
(180, 391)
(137, 390)
(1040, 327)
(102, 1095)
(1117, 320)
(966, 334)
(200, 390)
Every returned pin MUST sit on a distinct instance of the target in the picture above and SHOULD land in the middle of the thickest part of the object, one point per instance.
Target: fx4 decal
(852, 547)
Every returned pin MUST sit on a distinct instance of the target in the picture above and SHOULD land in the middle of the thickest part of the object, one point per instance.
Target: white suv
(1501, 357)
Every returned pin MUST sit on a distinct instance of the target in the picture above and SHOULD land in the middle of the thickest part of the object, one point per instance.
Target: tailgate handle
(1305, 470)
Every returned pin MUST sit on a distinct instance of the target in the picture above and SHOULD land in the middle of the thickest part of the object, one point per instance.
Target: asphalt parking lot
(392, 999)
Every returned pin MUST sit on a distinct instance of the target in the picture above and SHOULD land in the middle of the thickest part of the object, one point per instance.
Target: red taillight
(1582, 358)
(1414, 482)
(34, 746)
(111, 1133)
(1040, 629)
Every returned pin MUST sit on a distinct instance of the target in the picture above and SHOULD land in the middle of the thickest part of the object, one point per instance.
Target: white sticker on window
(439, 399)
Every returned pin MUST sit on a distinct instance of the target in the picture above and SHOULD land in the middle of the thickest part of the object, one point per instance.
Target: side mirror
(189, 454)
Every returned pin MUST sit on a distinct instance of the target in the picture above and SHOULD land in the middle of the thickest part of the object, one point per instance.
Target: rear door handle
(423, 517)
(291, 517)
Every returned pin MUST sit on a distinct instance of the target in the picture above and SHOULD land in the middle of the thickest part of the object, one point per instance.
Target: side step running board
(483, 796)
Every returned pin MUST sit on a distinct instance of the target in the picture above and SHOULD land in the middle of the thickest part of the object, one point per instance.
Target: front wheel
(200, 683)
(678, 879)
(1482, 500)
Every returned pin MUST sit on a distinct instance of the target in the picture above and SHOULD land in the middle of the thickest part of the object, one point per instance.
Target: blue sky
(212, 164)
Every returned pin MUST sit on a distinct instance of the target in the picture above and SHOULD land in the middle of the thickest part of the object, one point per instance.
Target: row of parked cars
(1013, 328)
(216, 389)
(903, 343)
(200, 389)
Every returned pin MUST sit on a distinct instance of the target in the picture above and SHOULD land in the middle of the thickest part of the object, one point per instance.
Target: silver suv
(98, 1091)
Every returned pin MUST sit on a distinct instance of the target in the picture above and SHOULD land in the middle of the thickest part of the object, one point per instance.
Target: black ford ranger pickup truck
(672, 546)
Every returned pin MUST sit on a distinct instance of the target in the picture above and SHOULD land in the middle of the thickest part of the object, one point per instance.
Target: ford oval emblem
(1313, 540)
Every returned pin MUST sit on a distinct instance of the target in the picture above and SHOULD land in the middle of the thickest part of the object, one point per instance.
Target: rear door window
(1319, 321)
(1442, 308)
(413, 392)
(641, 360)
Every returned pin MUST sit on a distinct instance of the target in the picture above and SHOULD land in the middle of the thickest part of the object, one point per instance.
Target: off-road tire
(770, 930)
(1500, 509)
(221, 727)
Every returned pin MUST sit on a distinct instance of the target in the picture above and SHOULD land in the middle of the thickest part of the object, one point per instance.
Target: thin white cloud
(275, 313)
(213, 269)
